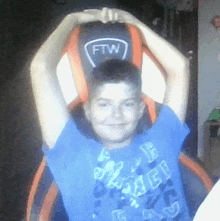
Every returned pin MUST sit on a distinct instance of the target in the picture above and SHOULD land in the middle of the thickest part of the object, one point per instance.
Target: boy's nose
(117, 112)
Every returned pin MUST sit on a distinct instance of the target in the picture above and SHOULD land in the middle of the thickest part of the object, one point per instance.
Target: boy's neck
(114, 146)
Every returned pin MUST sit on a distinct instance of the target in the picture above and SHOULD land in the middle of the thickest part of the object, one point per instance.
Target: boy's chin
(116, 143)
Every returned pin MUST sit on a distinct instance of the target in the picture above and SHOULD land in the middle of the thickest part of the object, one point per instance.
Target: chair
(88, 45)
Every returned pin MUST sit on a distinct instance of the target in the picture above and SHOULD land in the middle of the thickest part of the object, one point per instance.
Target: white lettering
(104, 155)
(173, 210)
(98, 47)
(103, 48)
(139, 188)
(119, 215)
(108, 170)
(116, 171)
(109, 166)
(137, 163)
(127, 189)
(149, 151)
(154, 180)
(117, 182)
(113, 48)
(94, 49)
(134, 203)
(150, 214)
(165, 169)
(98, 173)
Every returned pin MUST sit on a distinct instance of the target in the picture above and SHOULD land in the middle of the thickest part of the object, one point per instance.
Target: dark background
(25, 25)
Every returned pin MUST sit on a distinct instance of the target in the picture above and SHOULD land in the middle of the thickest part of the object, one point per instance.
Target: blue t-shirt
(138, 182)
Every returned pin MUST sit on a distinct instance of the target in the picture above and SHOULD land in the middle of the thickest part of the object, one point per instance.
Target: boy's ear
(141, 109)
(87, 111)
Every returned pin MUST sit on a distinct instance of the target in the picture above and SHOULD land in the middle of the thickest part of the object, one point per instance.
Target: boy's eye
(103, 104)
(129, 103)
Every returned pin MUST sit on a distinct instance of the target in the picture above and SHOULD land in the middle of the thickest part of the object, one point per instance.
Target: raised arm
(51, 107)
(177, 68)
(175, 64)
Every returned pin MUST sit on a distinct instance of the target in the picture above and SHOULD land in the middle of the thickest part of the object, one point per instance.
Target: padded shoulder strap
(34, 188)
(197, 170)
(43, 196)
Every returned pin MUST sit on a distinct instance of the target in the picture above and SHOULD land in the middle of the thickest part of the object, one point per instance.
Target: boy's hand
(105, 15)
(88, 15)
(117, 15)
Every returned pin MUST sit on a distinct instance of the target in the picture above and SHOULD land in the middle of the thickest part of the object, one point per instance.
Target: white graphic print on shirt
(144, 184)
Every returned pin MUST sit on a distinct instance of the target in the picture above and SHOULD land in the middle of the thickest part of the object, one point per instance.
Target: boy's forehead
(120, 90)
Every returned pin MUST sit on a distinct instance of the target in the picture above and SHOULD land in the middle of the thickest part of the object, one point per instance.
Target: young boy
(121, 175)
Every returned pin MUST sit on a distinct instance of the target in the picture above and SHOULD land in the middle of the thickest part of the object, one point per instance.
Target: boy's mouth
(117, 125)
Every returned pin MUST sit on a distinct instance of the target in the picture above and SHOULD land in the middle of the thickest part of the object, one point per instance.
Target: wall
(208, 65)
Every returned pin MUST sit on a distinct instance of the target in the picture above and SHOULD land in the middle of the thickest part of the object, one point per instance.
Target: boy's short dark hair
(114, 71)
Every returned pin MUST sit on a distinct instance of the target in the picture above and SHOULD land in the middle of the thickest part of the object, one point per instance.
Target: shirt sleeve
(58, 155)
(169, 128)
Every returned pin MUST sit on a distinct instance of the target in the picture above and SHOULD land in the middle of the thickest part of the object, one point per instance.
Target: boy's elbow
(40, 61)
(37, 66)
(185, 62)
(184, 66)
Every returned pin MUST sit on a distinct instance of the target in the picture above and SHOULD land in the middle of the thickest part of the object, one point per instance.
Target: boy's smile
(114, 110)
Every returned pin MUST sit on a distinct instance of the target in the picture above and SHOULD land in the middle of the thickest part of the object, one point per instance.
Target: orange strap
(76, 64)
(137, 50)
(197, 170)
(48, 202)
(136, 40)
(34, 187)
(74, 103)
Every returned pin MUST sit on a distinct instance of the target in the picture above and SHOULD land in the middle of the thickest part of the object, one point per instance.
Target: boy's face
(114, 110)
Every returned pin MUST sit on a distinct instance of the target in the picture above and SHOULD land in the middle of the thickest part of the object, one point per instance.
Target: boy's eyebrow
(98, 99)
(132, 98)
(107, 99)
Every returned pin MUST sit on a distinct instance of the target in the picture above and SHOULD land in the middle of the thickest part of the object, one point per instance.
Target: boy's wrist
(87, 16)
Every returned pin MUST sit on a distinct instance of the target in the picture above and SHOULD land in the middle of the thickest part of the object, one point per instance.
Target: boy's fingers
(120, 19)
(104, 14)
(93, 15)
(92, 10)
(110, 15)
(116, 16)
(113, 16)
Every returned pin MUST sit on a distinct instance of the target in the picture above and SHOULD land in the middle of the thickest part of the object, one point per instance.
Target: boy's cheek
(100, 115)
(131, 115)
